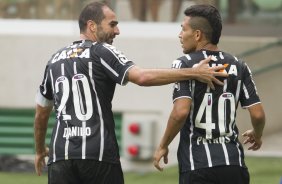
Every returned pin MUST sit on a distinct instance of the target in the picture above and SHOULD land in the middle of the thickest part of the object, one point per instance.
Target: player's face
(187, 37)
(108, 29)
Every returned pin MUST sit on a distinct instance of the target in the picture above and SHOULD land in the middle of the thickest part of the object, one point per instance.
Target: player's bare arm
(176, 121)
(155, 77)
(40, 129)
(254, 135)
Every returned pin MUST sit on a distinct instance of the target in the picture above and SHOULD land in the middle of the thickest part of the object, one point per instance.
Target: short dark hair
(207, 19)
(92, 11)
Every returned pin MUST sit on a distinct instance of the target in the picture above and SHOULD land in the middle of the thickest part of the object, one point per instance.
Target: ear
(198, 35)
(92, 26)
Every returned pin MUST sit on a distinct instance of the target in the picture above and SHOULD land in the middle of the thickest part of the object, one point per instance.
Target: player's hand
(160, 152)
(39, 161)
(253, 139)
(207, 74)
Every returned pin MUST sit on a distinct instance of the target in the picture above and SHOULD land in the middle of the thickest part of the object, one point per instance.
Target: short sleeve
(115, 63)
(45, 87)
(181, 89)
(248, 95)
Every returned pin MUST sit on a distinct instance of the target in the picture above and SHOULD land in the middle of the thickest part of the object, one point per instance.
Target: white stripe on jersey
(221, 55)
(100, 113)
(246, 92)
(67, 138)
(67, 145)
(205, 53)
(188, 57)
(244, 107)
(45, 81)
(208, 89)
(225, 154)
(188, 97)
(176, 64)
(208, 154)
(52, 80)
(192, 127)
(237, 145)
(225, 85)
(109, 68)
(83, 147)
(122, 81)
(55, 139)
(62, 68)
(74, 68)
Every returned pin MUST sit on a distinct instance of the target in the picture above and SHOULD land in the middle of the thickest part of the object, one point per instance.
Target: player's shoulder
(56, 54)
(111, 53)
(103, 48)
(180, 62)
(231, 58)
(188, 60)
(234, 65)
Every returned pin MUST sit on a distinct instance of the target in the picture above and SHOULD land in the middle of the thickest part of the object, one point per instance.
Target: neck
(86, 36)
(207, 46)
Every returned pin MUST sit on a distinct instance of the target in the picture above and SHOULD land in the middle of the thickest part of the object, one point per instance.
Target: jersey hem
(188, 170)
(93, 158)
(245, 107)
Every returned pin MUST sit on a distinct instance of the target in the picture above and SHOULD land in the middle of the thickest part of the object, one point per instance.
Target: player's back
(210, 127)
(217, 105)
(81, 79)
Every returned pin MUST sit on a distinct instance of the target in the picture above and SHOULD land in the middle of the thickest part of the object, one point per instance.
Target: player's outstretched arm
(206, 74)
(156, 77)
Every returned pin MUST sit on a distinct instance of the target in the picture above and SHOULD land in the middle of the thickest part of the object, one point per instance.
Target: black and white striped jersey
(81, 80)
(209, 136)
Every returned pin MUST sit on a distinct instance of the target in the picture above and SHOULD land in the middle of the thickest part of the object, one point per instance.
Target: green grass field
(263, 170)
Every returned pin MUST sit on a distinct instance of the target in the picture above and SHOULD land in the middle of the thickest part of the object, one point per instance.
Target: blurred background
(32, 30)
(142, 10)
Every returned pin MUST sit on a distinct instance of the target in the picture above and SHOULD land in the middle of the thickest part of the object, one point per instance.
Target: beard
(104, 37)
